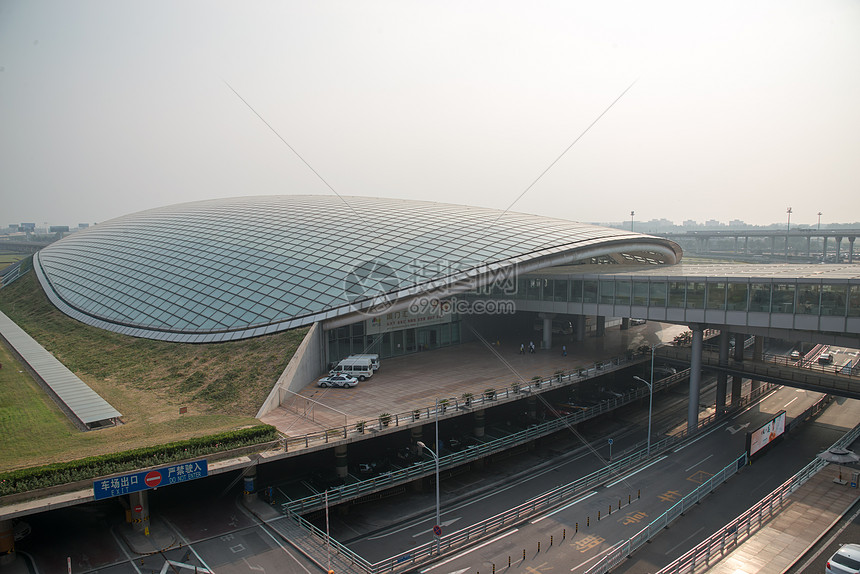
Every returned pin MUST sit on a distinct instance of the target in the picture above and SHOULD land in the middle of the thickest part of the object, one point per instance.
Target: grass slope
(222, 384)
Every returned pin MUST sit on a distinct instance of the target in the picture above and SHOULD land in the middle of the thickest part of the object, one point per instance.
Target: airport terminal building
(372, 272)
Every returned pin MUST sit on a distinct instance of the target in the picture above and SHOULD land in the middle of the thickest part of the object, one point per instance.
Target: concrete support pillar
(824, 247)
(625, 323)
(547, 329)
(479, 423)
(250, 483)
(737, 380)
(139, 504)
(722, 378)
(695, 379)
(707, 245)
(838, 249)
(773, 245)
(601, 326)
(747, 245)
(809, 246)
(340, 461)
(851, 250)
(579, 328)
(758, 350)
(7, 542)
(736, 244)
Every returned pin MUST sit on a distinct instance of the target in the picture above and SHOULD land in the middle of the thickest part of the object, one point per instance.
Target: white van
(359, 367)
(374, 360)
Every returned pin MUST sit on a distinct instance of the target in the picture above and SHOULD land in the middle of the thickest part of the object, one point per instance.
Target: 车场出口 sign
(144, 480)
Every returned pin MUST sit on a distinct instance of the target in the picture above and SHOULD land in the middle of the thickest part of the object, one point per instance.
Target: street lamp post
(650, 397)
(819, 221)
(438, 524)
(632, 213)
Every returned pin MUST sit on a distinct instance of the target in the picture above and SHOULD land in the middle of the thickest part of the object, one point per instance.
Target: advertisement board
(766, 434)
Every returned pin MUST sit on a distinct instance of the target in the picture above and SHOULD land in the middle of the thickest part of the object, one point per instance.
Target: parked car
(338, 380)
(795, 355)
(846, 560)
(825, 358)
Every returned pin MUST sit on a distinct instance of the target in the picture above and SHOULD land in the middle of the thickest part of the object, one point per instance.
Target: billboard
(134, 482)
(766, 434)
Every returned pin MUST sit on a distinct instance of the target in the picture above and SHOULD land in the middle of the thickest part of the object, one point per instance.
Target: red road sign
(152, 479)
(437, 530)
(138, 508)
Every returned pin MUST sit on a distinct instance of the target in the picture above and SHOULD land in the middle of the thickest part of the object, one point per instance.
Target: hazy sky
(739, 109)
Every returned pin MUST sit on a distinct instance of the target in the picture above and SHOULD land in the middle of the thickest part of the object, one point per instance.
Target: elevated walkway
(74, 397)
(831, 380)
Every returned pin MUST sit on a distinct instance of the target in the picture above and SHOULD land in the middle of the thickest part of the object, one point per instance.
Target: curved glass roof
(234, 268)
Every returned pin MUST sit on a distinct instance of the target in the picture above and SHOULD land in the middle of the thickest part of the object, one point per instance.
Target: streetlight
(819, 221)
(788, 211)
(632, 213)
(438, 526)
(650, 396)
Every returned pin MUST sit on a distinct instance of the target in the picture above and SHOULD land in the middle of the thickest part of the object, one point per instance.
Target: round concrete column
(625, 323)
(695, 379)
(579, 327)
(479, 423)
(340, 461)
(547, 329)
(7, 542)
(139, 504)
(417, 434)
(249, 483)
(851, 249)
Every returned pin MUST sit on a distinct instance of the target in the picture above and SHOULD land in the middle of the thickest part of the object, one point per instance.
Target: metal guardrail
(625, 549)
(741, 528)
(731, 534)
(489, 526)
(516, 515)
(451, 406)
(428, 467)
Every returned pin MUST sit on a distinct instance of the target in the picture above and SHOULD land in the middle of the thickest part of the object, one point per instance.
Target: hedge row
(27, 479)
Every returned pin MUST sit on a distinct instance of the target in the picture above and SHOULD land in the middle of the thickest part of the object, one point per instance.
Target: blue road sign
(135, 482)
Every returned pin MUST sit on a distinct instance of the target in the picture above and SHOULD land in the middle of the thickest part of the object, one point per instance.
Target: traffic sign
(138, 508)
(610, 442)
(144, 480)
(437, 530)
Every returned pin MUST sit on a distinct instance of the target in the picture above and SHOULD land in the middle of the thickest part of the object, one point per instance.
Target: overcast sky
(737, 110)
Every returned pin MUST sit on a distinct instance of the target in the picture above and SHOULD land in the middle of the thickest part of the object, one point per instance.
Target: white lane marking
(789, 402)
(460, 555)
(186, 543)
(635, 472)
(557, 510)
(261, 524)
(595, 557)
(444, 523)
(698, 463)
(680, 448)
(684, 541)
(127, 555)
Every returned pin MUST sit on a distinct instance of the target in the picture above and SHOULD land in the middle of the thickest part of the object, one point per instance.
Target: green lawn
(222, 385)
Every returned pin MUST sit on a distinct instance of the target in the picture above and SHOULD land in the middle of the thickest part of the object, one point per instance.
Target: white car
(338, 380)
(795, 355)
(846, 560)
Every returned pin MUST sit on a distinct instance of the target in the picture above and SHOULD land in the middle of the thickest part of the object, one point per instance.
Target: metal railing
(452, 406)
(741, 528)
(427, 467)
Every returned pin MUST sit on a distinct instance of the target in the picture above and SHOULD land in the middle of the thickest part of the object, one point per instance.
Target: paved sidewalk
(807, 516)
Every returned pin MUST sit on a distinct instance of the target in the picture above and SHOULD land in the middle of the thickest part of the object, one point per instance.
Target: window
(677, 293)
(717, 296)
(607, 292)
(833, 298)
(808, 299)
(695, 295)
(783, 298)
(760, 297)
(658, 294)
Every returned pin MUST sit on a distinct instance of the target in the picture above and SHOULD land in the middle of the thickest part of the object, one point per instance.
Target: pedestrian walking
(522, 349)
(564, 350)
(531, 346)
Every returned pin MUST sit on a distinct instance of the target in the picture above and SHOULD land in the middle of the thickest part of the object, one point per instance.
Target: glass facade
(240, 267)
(349, 340)
(833, 299)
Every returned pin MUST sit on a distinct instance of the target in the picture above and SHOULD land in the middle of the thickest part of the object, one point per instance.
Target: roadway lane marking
(698, 463)
(679, 449)
(127, 555)
(557, 510)
(187, 543)
(610, 485)
(470, 550)
(264, 526)
(595, 557)
(789, 402)
(684, 541)
(444, 524)
(758, 401)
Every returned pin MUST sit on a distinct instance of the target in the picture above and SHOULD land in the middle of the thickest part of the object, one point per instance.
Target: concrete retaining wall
(307, 364)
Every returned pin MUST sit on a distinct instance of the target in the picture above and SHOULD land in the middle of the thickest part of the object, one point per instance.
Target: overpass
(814, 303)
(701, 240)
